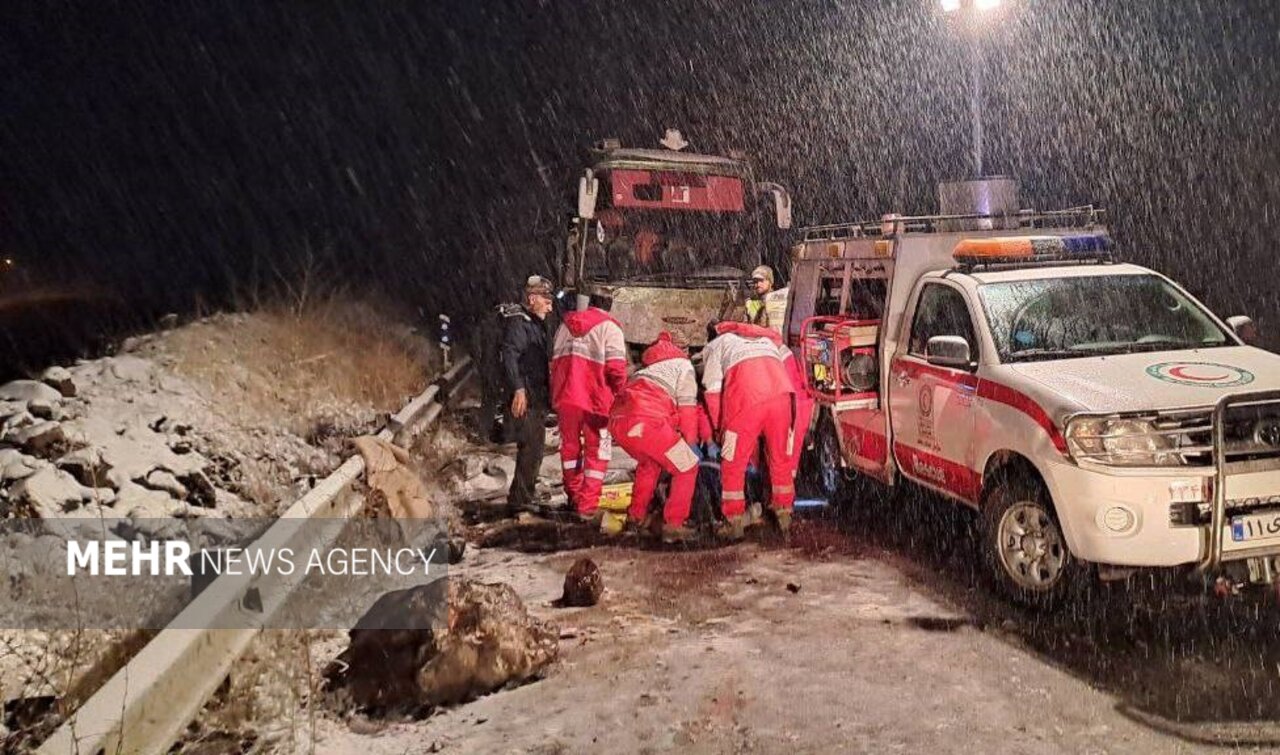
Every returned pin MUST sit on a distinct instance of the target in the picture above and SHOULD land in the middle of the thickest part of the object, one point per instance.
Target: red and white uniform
(655, 419)
(749, 393)
(804, 406)
(588, 367)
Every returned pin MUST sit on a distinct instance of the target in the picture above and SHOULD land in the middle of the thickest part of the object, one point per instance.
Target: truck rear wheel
(822, 471)
(1025, 549)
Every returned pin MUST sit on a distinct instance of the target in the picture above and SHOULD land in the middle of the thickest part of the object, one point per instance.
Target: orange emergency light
(1033, 248)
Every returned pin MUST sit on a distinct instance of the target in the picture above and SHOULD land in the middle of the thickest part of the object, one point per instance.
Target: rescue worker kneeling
(654, 419)
(749, 394)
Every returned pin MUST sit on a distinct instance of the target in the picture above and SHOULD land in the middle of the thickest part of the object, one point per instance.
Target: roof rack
(998, 265)
(1084, 216)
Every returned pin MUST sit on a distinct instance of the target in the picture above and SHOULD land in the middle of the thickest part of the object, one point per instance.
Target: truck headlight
(1121, 442)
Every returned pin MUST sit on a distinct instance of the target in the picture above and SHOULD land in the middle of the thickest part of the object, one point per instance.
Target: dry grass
(303, 368)
(269, 703)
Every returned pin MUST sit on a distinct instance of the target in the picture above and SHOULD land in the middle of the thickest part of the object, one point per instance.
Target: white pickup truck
(1095, 413)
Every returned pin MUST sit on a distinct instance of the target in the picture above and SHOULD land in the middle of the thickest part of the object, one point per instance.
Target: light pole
(969, 15)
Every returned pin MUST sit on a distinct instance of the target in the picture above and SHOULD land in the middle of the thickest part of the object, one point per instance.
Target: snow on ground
(231, 416)
(711, 652)
(872, 632)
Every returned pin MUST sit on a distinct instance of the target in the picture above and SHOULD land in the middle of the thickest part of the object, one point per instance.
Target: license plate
(1245, 529)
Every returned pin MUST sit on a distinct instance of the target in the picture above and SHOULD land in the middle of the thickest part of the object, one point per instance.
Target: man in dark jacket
(525, 365)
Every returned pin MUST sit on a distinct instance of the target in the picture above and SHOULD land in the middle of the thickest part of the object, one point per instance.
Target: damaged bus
(670, 236)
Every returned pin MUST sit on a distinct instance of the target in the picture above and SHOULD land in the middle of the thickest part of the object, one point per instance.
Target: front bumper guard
(1215, 550)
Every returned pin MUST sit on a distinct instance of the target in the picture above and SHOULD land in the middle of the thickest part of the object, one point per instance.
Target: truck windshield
(1061, 318)
(670, 245)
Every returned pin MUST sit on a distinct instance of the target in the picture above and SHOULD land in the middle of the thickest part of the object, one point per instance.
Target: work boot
(733, 528)
(784, 521)
(649, 526)
(592, 518)
(674, 535)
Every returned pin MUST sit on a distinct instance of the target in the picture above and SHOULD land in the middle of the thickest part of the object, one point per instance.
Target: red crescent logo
(1180, 372)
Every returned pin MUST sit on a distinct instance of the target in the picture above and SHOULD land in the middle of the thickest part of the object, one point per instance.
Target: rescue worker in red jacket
(749, 394)
(654, 420)
(803, 406)
(588, 367)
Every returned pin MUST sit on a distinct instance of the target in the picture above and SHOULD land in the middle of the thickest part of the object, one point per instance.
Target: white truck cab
(1094, 412)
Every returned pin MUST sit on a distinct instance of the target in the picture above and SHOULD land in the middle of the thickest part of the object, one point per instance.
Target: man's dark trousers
(530, 435)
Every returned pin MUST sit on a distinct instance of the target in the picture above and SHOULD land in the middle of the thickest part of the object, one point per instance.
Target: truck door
(932, 407)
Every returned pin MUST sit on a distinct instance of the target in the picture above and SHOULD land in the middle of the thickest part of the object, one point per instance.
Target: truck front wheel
(1024, 545)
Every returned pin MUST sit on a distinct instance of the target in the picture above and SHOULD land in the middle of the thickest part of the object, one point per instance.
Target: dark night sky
(183, 150)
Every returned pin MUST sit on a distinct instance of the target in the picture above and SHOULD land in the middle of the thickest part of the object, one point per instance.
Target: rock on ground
(59, 378)
(52, 492)
(28, 390)
(15, 466)
(491, 641)
(583, 585)
(165, 481)
(38, 438)
(87, 466)
(137, 502)
(405, 655)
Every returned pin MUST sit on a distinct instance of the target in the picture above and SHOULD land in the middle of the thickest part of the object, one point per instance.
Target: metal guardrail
(1223, 469)
(146, 705)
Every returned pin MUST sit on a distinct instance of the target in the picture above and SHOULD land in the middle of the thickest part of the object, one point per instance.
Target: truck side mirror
(588, 193)
(781, 202)
(1245, 328)
(948, 351)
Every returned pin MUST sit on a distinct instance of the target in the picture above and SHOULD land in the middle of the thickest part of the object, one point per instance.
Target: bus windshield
(637, 245)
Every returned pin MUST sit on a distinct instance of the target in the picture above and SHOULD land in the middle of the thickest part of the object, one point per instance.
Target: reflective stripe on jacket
(742, 367)
(589, 361)
(664, 390)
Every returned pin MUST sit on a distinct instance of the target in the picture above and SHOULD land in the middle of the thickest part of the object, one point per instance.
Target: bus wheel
(1025, 549)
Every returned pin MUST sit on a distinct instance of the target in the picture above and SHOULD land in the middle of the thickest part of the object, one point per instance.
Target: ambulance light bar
(1088, 246)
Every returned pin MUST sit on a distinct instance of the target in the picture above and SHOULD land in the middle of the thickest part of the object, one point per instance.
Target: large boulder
(408, 653)
(28, 390)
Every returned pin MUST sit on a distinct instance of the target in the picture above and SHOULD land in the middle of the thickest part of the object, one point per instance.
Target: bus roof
(665, 159)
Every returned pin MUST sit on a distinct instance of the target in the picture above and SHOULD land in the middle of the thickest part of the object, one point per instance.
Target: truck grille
(1252, 433)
